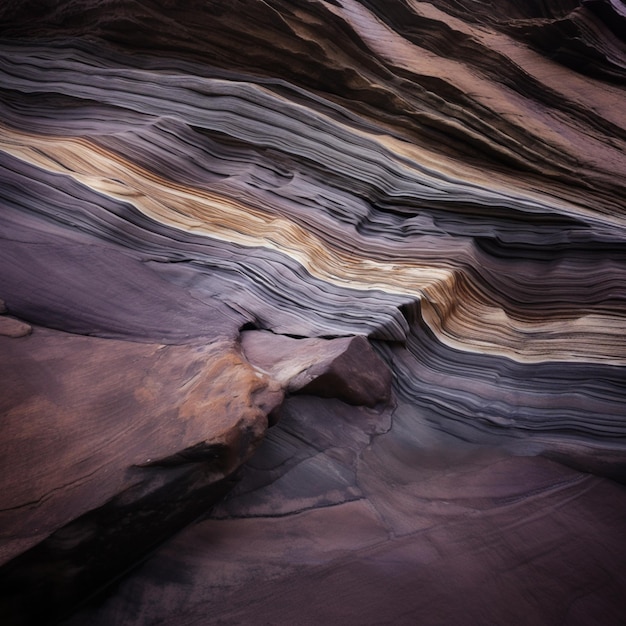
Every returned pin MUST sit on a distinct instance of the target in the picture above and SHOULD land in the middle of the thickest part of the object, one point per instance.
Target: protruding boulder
(346, 368)
(108, 447)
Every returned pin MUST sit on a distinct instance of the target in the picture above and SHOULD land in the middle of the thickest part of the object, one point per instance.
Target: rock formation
(344, 278)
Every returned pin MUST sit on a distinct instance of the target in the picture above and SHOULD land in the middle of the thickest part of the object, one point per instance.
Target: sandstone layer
(364, 259)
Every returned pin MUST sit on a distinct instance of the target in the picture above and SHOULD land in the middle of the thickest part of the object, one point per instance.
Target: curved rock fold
(337, 286)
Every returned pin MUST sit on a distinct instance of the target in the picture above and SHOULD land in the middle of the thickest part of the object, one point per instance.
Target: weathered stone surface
(345, 368)
(445, 179)
(383, 525)
(111, 407)
(96, 426)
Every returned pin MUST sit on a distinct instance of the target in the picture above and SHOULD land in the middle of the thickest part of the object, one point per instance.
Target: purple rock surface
(312, 311)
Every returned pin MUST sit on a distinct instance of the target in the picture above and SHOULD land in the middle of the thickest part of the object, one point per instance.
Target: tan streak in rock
(388, 44)
(460, 319)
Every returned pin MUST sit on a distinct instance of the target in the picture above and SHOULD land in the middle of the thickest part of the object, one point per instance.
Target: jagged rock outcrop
(406, 218)
(108, 446)
(344, 368)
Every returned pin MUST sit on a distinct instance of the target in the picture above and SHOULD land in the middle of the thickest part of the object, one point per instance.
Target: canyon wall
(344, 278)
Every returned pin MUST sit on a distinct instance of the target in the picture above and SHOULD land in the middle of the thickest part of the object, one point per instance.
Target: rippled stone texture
(439, 184)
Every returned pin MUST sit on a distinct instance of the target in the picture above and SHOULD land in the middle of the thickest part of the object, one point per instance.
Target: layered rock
(205, 207)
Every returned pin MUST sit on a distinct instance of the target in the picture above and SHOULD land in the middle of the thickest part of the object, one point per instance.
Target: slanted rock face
(346, 368)
(98, 409)
(357, 376)
(98, 435)
(438, 185)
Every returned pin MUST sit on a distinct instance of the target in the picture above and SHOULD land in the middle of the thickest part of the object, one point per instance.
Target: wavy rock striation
(392, 230)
